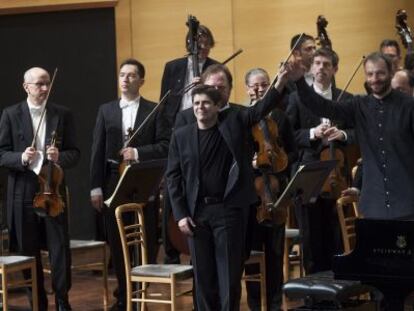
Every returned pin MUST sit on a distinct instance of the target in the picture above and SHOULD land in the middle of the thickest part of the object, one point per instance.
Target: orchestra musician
(318, 222)
(391, 48)
(383, 124)
(179, 73)
(113, 124)
(403, 81)
(17, 129)
(269, 238)
(210, 183)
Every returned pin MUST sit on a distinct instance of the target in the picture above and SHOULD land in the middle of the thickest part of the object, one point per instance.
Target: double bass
(404, 30)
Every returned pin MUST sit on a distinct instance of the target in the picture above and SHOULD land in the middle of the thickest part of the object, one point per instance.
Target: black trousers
(44, 232)
(320, 233)
(271, 240)
(217, 253)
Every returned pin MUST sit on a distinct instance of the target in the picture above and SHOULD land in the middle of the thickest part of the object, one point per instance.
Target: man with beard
(384, 125)
(318, 222)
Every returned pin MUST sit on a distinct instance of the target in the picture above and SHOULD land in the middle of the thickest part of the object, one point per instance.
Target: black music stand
(137, 183)
(306, 184)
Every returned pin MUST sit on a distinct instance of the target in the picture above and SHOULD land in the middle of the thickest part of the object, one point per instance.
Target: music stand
(306, 184)
(137, 183)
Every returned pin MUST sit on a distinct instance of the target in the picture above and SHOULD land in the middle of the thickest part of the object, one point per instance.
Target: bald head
(403, 82)
(34, 72)
(36, 84)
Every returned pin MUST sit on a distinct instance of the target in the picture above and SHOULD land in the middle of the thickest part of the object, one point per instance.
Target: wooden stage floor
(87, 294)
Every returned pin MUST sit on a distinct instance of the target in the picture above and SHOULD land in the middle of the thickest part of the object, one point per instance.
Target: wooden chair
(347, 210)
(12, 264)
(292, 237)
(133, 241)
(258, 257)
(87, 255)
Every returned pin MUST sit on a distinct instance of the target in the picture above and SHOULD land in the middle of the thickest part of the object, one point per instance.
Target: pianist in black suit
(179, 73)
(210, 182)
(385, 129)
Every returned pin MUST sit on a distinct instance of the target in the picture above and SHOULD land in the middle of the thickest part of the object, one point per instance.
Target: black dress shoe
(63, 306)
(118, 306)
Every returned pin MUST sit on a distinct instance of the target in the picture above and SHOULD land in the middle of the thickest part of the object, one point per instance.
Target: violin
(404, 30)
(336, 181)
(48, 201)
(270, 159)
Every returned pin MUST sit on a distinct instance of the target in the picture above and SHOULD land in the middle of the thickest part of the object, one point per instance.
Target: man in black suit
(267, 236)
(115, 121)
(318, 222)
(210, 182)
(178, 73)
(17, 127)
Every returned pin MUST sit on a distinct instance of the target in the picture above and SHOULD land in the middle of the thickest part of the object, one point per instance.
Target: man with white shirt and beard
(17, 129)
(115, 121)
(318, 222)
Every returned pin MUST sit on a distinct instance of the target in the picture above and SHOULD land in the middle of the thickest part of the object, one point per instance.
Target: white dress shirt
(35, 114)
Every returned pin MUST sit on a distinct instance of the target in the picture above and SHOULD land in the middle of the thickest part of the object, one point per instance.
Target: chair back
(132, 236)
(347, 213)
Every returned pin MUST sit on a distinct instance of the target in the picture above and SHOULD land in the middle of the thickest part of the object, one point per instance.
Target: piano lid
(384, 252)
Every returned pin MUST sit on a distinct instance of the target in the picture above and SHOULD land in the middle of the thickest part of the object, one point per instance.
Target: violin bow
(163, 99)
(283, 64)
(42, 116)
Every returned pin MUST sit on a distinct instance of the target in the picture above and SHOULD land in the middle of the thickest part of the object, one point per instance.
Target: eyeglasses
(39, 84)
(258, 86)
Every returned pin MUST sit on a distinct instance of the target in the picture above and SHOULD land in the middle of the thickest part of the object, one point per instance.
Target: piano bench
(320, 291)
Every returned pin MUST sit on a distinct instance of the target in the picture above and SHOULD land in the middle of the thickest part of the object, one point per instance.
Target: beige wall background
(153, 30)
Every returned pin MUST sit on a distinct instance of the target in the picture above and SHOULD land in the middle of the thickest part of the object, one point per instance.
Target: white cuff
(312, 134)
(136, 156)
(345, 136)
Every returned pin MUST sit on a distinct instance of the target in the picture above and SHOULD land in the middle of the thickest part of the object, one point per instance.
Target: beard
(381, 88)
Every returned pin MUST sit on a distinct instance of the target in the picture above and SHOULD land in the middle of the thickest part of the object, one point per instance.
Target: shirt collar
(226, 106)
(34, 107)
(324, 93)
(124, 103)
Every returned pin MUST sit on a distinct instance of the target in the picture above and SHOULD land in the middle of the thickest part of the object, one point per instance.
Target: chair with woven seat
(12, 264)
(133, 240)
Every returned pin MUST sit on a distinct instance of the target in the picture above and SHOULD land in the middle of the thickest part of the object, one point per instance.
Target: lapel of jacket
(52, 119)
(194, 146)
(234, 169)
(24, 121)
(143, 110)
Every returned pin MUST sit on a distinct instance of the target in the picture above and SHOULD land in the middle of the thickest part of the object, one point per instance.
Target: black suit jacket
(173, 79)
(303, 119)
(152, 141)
(16, 134)
(183, 159)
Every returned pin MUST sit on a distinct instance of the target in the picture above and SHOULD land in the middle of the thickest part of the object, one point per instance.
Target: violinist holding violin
(318, 222)
(269, 237)
(112, 146)
(18, 126)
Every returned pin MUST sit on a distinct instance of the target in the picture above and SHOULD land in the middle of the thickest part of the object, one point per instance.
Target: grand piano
(383, 257)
